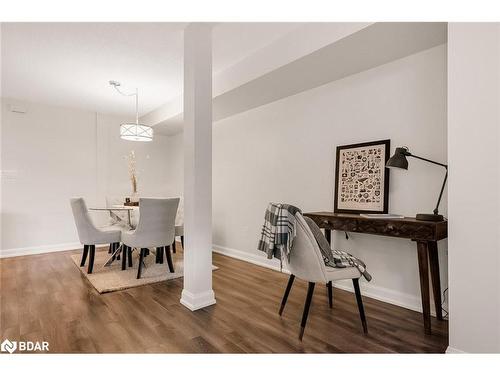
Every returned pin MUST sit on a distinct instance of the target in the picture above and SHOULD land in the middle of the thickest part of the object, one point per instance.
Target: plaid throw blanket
(278, 230)
(341, 259)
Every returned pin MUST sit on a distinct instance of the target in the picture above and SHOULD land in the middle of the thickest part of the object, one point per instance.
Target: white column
(197, 292)
(473, 193)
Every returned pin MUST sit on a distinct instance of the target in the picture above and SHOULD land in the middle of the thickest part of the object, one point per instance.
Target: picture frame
(361, 178)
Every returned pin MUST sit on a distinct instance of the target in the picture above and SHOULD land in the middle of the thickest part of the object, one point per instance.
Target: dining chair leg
(110, 250)
(355, 283)
(124, 259)
(84, 256)
(129, 256)
(182, 242)
(174, 247)
(162, 251)
(157, 260)
(330, 293)
(310, 292)
(117, 245)
(91, 258)
(169, 259)
(141, 262)
(287, 292)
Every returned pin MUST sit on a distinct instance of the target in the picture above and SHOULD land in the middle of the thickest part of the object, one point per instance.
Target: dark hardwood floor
(45, 297)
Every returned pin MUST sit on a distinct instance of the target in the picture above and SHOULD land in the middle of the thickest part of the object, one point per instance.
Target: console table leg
(423, 269)
(435, 278)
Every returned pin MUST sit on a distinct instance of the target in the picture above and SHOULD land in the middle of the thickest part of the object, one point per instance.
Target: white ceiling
(70, 64)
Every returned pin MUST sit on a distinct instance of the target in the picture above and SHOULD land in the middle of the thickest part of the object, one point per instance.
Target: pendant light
(131, 131)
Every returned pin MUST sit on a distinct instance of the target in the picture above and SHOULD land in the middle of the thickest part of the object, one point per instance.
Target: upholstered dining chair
(156, 229)
(306, 263)
(90, 235)
(179, 224)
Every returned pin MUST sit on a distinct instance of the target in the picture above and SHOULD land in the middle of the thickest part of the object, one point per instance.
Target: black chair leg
(91, 258)
(84, 256)
(157, 260)
(129, 256)
(162, 251)
(287, 292)
(174, 247)
(330, 293)
(116, 245)
(182, 242)
(355, 283)
(169, 259)
(110, 250)
(124, 259)
(310, 292)
(141, 262)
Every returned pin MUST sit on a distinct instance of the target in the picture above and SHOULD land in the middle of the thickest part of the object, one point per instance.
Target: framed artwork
(361, 178)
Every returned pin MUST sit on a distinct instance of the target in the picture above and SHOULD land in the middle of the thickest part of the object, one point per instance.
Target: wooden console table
(424, 233)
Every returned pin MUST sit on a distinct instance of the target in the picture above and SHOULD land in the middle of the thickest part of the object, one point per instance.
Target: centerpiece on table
(134, 198)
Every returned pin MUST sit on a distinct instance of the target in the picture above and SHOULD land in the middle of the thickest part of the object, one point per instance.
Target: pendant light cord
(136, 94)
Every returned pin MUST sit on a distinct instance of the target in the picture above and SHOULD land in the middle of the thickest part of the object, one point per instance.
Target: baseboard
(197, 301)
(258, 259)
(391, 296)
(452, 350)
(7, 253)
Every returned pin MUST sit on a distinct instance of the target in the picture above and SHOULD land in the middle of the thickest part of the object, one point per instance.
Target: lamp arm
(436, 211)
(427, 160)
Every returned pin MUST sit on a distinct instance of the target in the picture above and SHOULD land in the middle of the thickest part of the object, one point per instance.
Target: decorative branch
(132, 171)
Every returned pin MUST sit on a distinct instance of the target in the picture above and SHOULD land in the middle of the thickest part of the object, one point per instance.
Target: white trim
(452, 350)
(20, 251)
(369, 290)
(197, 301)
(258, 259)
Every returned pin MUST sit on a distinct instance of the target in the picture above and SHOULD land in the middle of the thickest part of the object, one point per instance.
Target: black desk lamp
(398, 160)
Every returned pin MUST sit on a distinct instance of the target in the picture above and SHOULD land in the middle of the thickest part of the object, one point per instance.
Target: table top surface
(114, 208)
(359, 217)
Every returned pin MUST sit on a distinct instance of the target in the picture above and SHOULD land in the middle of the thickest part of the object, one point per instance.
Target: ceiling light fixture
(133, 131)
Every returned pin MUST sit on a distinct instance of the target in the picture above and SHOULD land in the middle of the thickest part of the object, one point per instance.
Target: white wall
(50, 154)
(285, 152)
(474, 200)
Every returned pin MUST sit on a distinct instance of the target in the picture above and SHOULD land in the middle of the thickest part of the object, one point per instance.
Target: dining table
(118, 208)
(112, 212)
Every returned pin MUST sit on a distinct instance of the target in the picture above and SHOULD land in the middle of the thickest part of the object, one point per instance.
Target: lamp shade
(398, 160)
(136, 132)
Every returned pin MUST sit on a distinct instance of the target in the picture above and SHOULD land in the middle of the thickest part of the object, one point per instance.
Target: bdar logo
(8, 346)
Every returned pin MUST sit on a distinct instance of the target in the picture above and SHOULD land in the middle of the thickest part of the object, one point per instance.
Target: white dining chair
(306, 263)
(89, 235)
(156, 229)
(179, 224)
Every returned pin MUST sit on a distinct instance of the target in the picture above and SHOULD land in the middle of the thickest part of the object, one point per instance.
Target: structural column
(197, 292)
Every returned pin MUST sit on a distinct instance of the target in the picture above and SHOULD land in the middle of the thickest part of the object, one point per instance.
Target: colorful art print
(361, 178)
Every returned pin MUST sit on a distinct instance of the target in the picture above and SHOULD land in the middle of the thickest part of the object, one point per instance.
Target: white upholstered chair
(89, 235)
(306, 263)
(156, 228)
(179, 224)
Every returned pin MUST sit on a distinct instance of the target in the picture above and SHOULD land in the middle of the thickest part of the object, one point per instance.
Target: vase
(134, 197)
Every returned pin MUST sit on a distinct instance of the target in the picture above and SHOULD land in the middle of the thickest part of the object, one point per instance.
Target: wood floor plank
(45, 297)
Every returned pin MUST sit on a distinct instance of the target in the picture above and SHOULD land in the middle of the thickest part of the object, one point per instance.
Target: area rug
(112, 278)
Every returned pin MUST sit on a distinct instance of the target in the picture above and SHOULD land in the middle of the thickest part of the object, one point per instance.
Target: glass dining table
(113, 210)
